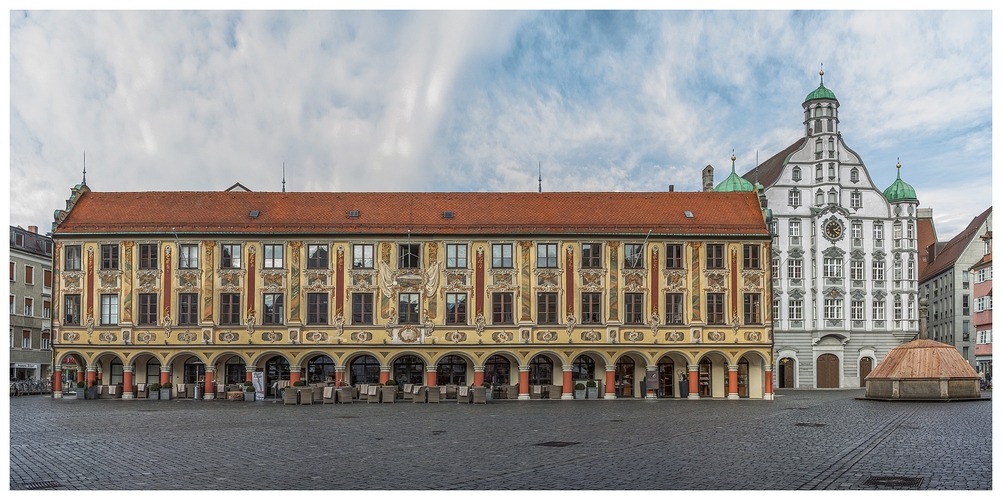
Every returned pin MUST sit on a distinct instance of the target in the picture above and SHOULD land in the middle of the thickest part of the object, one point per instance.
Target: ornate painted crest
(456, 337)
(187, 337)
(633, 336)
(675, 336)
(316, 337)
(146, 337)
(716, 336)
(361, 336)
(591, 336)
(502, 336)
(229, 336)
(546, 336)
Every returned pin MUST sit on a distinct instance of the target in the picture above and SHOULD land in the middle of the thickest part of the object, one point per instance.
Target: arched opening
(625, 369)
(153, 371)
(275, 369)
(865, 367)
(451, 370)
(540, 370)
(320, 369)
(666, 376)
(194, 370)
(117, 372)
(583, 368)
(742, 377)
(786, 373)
(827, 371)
(497, 370)
(410, 370)
(705, 378)
(235, 370)
(364, 370)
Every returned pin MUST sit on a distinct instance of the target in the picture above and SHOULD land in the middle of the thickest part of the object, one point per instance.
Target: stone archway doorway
(827, 371)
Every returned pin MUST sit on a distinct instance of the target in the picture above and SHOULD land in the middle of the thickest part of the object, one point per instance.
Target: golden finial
(822, 73)
(899, 163)
(732, 156)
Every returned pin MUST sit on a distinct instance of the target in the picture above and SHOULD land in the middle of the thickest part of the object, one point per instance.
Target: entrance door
(786, 367)
(666, 369)
(705, 387)
(827, 371)
(743, 378)
(624, 377)
(865, 366)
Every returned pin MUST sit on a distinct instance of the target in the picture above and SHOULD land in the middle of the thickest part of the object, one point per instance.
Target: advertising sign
(652, 381)
(258, 379)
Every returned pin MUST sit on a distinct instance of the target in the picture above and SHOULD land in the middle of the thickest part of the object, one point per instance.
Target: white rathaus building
(845, 257)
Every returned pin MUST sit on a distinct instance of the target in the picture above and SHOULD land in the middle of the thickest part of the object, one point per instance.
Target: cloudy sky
(474, 101)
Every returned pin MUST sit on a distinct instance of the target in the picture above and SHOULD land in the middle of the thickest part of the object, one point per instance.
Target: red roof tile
(769, 170)
(949, 254)
(421, 213)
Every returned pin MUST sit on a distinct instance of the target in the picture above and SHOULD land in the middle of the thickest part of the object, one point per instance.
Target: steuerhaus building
(650, 295)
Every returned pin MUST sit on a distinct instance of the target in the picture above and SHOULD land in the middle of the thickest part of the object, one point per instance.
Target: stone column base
(57, 395)
(610, 396)
(128, 395)
(768, 397)
(566, 396)
(651, 396)
(693, 396)
(733, 396)
(209, 397)
(523, 397)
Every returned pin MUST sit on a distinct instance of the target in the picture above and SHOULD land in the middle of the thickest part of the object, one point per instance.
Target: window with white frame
(983, 303)
(29, 306)
(856, 308)
(819, 197)
(46, 342)
(455, 256)
(857, 229)
(832, 267)
(985, 337)
(897, 235)
(794, 198)
(188, 257)
(911, 269)
(796, 174)
(775, 269)
(878, 270)
(833, 308)
(273, 256)
(361, 256)
(897, 270)
(878, 234)
(855, 199)
(897, 308)
(878, 310)
(796, 309)
(794, 268)
(856, 270)
(25, 339)
(911, 307)
(794, 228)
(109, 309)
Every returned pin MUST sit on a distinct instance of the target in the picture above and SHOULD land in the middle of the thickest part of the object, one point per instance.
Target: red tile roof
(926, 236)
(949, 254)
(421, 213)
(922, 359)
(769, 170)
(982, 349)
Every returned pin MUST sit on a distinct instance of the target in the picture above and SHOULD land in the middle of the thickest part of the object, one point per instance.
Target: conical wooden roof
(923, 359)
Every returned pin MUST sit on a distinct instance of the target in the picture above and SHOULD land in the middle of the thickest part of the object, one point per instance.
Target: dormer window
(832, 197)
(854, 175)
(856, 199)
(796, 174)
(819, 198)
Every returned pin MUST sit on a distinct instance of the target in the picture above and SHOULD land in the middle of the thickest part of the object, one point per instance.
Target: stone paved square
(803, 440)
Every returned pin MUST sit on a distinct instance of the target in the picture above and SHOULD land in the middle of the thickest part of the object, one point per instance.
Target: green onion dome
(821, 92)
(733, 183)
(900, 190)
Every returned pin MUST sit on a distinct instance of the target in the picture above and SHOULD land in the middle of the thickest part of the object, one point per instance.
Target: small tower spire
(85, 169)
(899, 167)
(540, 167)
(822, 73)
(733, 168)
(283, 176)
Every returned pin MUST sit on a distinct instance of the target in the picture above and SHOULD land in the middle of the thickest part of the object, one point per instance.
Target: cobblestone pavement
(802, 440)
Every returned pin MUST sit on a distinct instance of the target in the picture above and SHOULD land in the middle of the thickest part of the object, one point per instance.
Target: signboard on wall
(652, 381)
(258, 379)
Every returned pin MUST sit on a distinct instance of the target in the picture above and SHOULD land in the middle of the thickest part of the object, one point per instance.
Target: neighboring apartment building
(981, 273)
(636, 291)
(30, 304)
(947, 285)
(844, 256)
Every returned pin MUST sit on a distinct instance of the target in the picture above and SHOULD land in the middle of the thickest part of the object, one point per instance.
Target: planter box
(250, 396)
(154, 395)
(683, 388)
(592, 392)
(165, 394)
(579, 394)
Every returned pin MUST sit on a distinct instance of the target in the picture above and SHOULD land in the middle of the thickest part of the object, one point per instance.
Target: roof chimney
(33, 229)
(671, 188)
(708, 178)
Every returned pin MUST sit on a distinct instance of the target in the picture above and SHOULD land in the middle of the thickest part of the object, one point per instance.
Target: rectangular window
(409, 309)
(856, 310)
(501, 255)
(147, 256)
(857, 229)
(316, 256)
(546, 255)
(455, 256)
(795, 268)
(12, 304)
(13, 271)
(796, 309)
(274, 256)
(46, 342)
(46, 309)
(71, 310)
(856, 270)
(674, 310)
(546, 308)
(795, 228)
(715, 308)
(633, 256)
(794, 198)
(147, 309)
(229, 309)
(878, 310)
(316, 308)
(188, 257)
(29, 306)
(409, 255)
(188, 309)
(775, 269)
(897, 308)
(591, 308)
(878, 270)
(856, 199)
(674, 258)
(361, 256)
(25, 339)
(274, 312)
(752, 308)
(109, 309)
(966, 305)
(109, 256)
(833, 308)
(751, 257)
(47, 278)
(833, 267)
(878, 231)
(361, 308)
(72, 260)
(501, 303)
(29, 275)
(230, 257)
(455, 308)
(714, 256)
(591, 255)
(634, 303)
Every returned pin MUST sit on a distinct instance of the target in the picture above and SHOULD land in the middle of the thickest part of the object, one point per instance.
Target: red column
(732, 382)
(338, 377)
(250, 376)
(127, 382)
(80, 374)
(164, 377)
(693, 381)
(210, 388)
(478, 376)
(610, 383)
(523, 383)
(567, 382)
(768, 382)
(294, 376)
(432, 378)
(57, 383)
(91, 377)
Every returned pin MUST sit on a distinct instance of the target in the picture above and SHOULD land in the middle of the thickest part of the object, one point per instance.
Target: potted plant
(154, 391)
(249, 393)
(592, 388)
(165, 391)
(579, 391)
(388, 391)
(487, 388)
